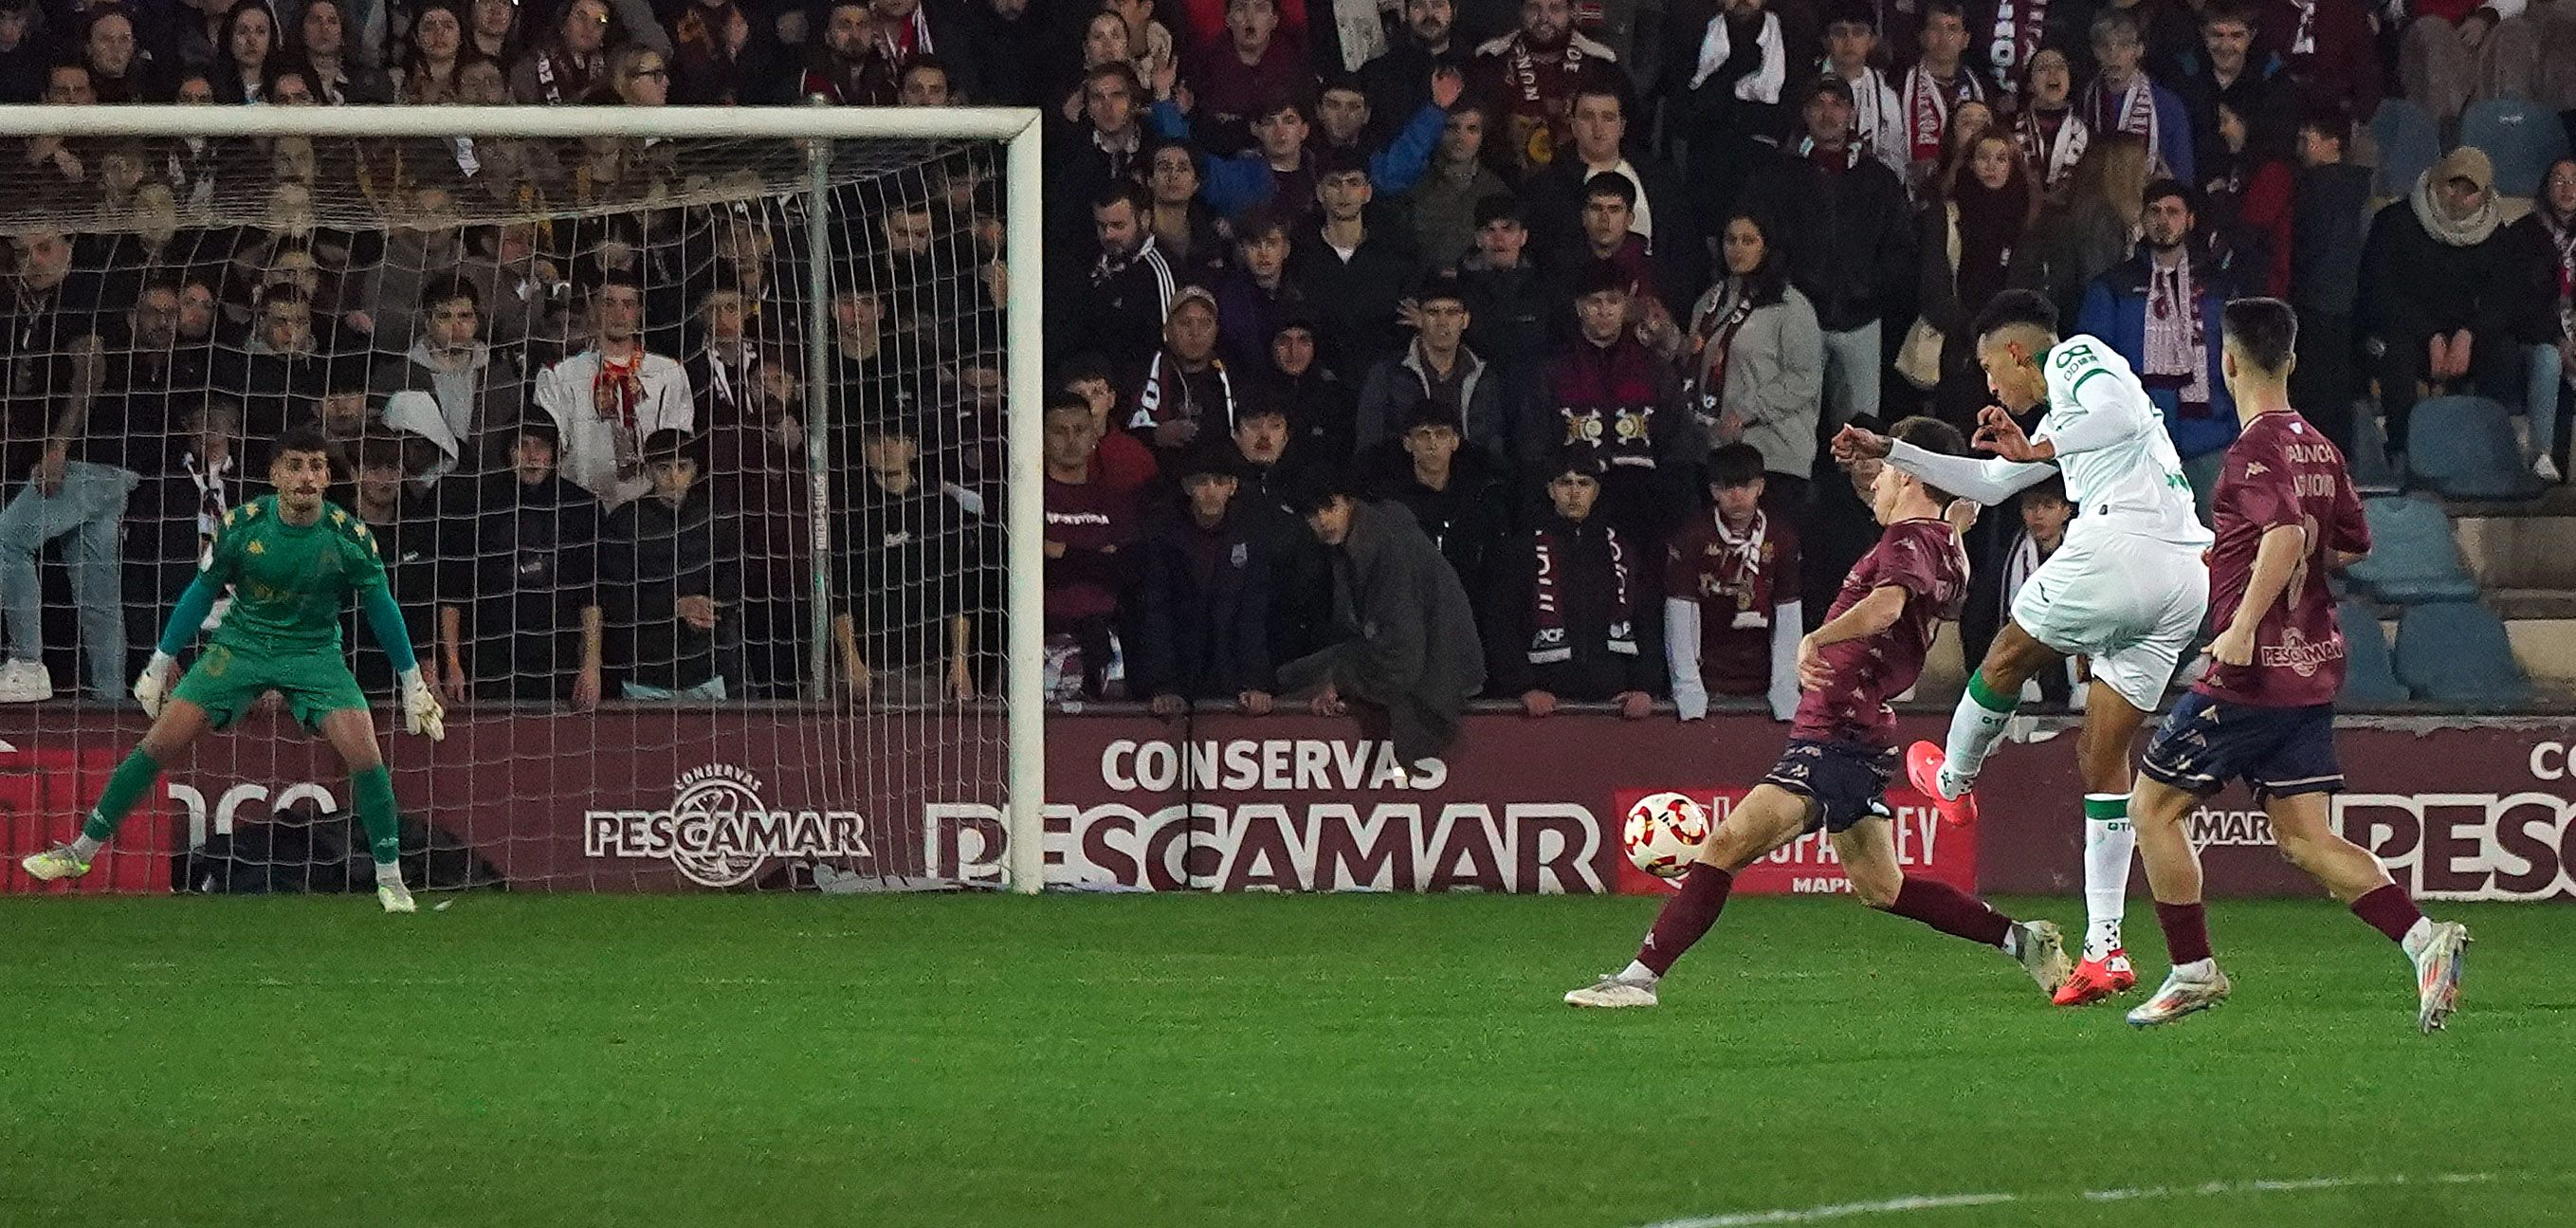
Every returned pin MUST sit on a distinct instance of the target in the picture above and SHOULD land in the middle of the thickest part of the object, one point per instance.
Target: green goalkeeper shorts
(226, 682)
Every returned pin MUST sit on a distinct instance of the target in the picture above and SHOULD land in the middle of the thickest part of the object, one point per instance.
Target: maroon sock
(2389, 910)
(2186, 929)
(1951, 911)
(1686, 916)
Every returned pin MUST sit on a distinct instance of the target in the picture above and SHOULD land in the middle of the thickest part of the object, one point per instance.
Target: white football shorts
(2131, 604)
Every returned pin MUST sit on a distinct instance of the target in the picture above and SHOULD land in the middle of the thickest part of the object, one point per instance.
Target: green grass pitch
(1353, 1060)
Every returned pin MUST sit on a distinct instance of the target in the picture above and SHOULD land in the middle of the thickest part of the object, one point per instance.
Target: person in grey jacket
(1409, 655)
(1752, 360)
(1438, 366)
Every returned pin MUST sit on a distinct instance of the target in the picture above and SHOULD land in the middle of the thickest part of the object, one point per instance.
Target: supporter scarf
(2132, 110)
(2562, 243)
(1104, 268)
(2051, 157)
(209, 481)
(2024, 559)
(1736, 571)
(2018, 28)
(2177, 338)
(1763, 83)
(1808, 152)
(575, 76)
(2304, 40)
(1927, 109)
(910, 39)
(1521, 69)
(1869, 95)
(1712, 335)
(1548, 643)
(1149, 397)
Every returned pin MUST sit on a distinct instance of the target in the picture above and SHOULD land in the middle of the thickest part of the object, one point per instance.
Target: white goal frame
(1017, 128)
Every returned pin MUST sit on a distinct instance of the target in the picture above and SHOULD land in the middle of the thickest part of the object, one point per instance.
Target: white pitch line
(1942, 1202)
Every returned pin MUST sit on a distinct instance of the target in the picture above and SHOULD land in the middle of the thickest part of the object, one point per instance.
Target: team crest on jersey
(2255, 469)
(259, 547)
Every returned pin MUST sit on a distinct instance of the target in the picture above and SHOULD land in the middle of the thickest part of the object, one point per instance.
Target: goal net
(699, 448)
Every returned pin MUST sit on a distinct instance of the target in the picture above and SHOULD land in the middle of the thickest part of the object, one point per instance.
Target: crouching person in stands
(1408, 655)
(1564, 611)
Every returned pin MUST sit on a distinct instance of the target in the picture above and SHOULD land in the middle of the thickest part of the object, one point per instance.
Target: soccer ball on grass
(1663, 832)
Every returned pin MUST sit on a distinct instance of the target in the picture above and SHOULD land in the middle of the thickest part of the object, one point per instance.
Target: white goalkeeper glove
(422, 713)
(154, 683)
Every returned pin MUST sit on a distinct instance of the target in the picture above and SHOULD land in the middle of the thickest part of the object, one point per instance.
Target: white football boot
(1611, 993)
(2437, 975)
(2181, 995)
(395, 897)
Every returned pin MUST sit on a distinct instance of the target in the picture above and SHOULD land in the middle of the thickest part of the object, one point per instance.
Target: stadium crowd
(1571, 292)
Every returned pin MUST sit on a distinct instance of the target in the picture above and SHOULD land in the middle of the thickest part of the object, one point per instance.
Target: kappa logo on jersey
(717, 831)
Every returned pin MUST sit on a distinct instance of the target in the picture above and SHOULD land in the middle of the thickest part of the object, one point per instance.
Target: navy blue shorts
(1846, 780)
(2277, 752)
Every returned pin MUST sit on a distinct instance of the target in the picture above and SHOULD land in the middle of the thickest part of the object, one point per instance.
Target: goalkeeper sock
(374, 788)
(1975, 725)
(2109, 842)
(125, 787)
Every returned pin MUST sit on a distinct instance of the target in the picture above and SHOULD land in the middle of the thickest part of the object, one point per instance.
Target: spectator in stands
(1149, 40)
(1322, 408)
(1185, 229)
(1203, 595)
(1752, 362)
(721, 55)
(2328, 49)
(1878, 119)
(2051, 136)
(1733, 613)
(494, 29)
(1352, 274)
(637, 76)
(340, 410)
(61, 166)
(438, 53)
(1285, 151)
(1131, 286)
(172, 523)
(1531, 76)
(764, 503)
(1240, 78)
(909, 29)
(1977, 222)
(76, 490)
(2234, 99)
(1563, 622)
(573, 60)
(2441, 293)
(1509, 299)
(1938, 83)
(1725, 107)
(404, 524)
(724, 365)
(1254, 293)
(1842, 224)
(1437, 368)
(2329, 202)
(847, 66)
(1406, 649)
(1183, 392)
(474, 387)
(2547, 237)
(119, 70)
(22, 60)
(2160, 312)
(2089, 226)
(340, 74)
(1456, 493)
(1606, 393)
(2123, 98)
(1660, 216)
(521, 552)
(1124, 462)
(608, 398)
(1397, 82)
(243, 49)
(661, 576)
(1440, 211)
(1087, 524)
(925, 82)
(2045, 513)
(1609, 207)
(279, 365)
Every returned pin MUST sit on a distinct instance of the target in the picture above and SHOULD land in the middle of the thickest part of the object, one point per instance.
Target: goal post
(812, 182)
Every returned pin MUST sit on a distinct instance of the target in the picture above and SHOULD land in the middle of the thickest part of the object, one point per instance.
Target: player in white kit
(2128, 590)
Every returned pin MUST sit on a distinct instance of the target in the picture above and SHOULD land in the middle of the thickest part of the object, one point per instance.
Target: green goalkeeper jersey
(291, 582)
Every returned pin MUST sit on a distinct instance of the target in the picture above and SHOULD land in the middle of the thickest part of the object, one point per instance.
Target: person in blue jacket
(1281, 154)
(2160, 310)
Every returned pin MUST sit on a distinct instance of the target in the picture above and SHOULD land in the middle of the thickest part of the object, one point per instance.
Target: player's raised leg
(1947, 772)
(352, 733)
(179, 724)
(1868, 853)
(1767, 818)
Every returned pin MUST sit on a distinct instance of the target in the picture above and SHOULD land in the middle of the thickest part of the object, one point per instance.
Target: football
(1663, 833)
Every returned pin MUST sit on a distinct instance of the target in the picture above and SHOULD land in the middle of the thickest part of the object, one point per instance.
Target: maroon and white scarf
(2129, 110)
(2303, 41)
(1734, 569)
(1524, 71)
(2562, 243)
(2019, 25)
(2051, 158)
(1548, 643)
(1928, 103)
(2177, 338)
(1712, 335)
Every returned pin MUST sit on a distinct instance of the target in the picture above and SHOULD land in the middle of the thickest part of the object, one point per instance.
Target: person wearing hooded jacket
(2441, 291)
(1408, 652)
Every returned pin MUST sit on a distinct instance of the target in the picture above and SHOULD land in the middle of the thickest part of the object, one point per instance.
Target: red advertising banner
(662, 800)
(1925, 846)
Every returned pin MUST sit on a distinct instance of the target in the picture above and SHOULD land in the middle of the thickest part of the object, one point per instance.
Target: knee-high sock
(1686, 917)
(2109, 842)
(1951, 911)
(374, 788)
(1975, 725)
(125, 787)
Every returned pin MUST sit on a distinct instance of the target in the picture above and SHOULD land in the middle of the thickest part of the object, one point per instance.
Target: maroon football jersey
(1924, 558)
(2282, 471)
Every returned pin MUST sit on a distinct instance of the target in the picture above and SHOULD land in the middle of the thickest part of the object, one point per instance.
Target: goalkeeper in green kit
(293, 561)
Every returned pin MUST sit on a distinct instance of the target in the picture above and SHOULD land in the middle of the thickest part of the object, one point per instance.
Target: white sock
(2109, 844)
(85, 848)
(389, 874)
(2012, 941)
(1637, 974)
(2417, 935)
(2197, 970)
(1974, 730)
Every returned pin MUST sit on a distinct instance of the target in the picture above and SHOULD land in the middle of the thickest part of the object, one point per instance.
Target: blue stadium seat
(2521, 137)
(2368, 456)
(2412, 557)
(2368, 678)
(2456, 652)
(2409, 142)
(2464, 447)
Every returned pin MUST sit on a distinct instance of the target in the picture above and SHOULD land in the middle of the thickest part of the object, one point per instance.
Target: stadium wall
(2457, 807)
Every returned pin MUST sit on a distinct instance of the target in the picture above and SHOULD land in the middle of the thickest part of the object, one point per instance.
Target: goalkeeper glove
(421, 711)
(154, 684)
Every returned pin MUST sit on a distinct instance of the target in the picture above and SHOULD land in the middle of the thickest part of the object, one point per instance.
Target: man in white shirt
(2127, 589)
(606, 399)
(1878, 120)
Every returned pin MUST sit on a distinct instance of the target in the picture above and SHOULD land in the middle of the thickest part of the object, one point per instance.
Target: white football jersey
(2130, 478)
